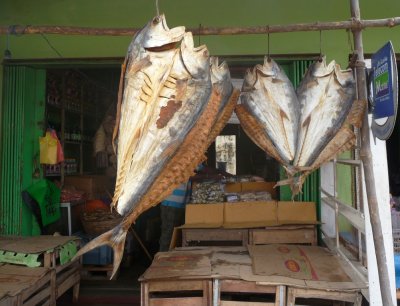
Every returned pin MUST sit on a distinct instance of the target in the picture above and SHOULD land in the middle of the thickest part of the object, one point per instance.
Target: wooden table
(225, 276)
(26, 286)
(50, 252)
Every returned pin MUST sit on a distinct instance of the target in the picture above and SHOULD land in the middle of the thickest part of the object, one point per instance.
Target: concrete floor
(122, 291)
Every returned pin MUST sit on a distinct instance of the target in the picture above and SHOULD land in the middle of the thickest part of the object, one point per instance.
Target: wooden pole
(354, 24)
(366, 157)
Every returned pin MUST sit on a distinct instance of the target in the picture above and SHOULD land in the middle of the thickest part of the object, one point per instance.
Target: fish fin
(144, 62)
(283, 114)
(284, 182)
(278, 80)
(119, 102)
(306, 121)
(356, 113)
(115, 238)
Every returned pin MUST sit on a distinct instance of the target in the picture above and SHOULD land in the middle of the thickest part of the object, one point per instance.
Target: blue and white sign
(384, 95)
(382, 81)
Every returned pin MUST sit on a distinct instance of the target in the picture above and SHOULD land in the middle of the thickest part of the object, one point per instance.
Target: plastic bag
(47, 195)
(60, 153)
(48, 149)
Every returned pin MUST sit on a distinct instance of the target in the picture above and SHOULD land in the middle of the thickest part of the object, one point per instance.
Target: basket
(99, 221)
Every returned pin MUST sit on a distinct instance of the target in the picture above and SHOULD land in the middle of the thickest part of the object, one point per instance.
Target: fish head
(270, 68)
(249, 80)
(195, 59)
(219, 72)
(157, 34)
(319, 68)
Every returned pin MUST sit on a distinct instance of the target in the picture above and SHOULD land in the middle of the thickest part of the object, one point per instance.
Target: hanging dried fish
(269, 97)
(164, 93)
(326, 94)
(221, 80)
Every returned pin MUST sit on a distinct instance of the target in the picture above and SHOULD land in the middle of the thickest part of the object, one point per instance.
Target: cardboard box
(95, 186)
(297, 213)
(250, 214)
(252, 186)
(204, 215)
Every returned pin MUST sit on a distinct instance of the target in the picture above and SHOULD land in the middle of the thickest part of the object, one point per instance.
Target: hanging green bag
(47, 194)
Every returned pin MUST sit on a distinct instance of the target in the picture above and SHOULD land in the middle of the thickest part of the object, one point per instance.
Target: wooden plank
(346, 296)
(69, 282)
(207, 292)
(175, 285)
(35, 244)
(239, 303)
(244, 287)
(217, 234)
(280, 296)
(36, 286)
(186, 301)
(144, 294)
(39, 297)
(285, 236)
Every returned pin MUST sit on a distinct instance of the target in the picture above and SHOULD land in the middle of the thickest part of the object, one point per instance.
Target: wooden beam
(352, 24)
(366, 157)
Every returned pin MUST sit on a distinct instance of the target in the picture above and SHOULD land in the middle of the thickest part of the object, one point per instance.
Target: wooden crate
(214, 236)
(231, 293)
(26, 286)
(332, 295)
(172, 292)
(301, 234)
(45, 252)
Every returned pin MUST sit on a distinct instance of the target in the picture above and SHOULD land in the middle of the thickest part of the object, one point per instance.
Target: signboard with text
(383, 80)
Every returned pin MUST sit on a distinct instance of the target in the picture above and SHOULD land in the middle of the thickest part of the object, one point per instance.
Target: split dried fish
(269, 97)
(167, 108)
(326, 94)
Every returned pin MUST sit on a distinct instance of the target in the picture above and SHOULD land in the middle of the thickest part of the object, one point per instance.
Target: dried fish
(165, 96)
(326, 94)
(269, 97)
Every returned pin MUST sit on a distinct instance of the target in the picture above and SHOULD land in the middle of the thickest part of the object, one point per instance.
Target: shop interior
(81, 108)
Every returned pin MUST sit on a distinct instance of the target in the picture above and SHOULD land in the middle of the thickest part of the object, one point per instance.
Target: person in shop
(172, 211)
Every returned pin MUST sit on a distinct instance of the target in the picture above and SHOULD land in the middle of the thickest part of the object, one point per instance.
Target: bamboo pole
(366, 157)
(354, 24)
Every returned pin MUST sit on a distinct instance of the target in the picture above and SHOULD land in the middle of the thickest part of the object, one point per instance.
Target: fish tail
(115, 238)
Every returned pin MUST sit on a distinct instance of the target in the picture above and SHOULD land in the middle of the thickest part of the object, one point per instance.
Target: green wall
(191, 13)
